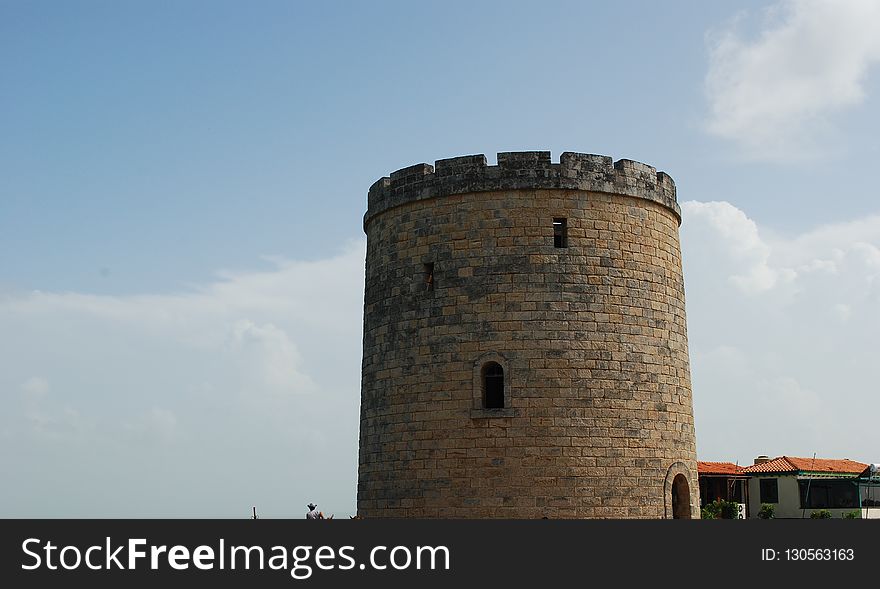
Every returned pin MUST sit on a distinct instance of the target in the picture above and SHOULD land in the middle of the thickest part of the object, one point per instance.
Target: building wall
(592, 338)
(789, 497)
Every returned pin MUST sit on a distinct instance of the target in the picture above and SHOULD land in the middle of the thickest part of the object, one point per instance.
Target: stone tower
(525, 345)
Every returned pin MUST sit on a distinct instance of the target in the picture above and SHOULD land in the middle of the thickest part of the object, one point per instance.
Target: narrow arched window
(493, 386)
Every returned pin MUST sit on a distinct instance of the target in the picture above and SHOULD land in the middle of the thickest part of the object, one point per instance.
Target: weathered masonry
(525, 345)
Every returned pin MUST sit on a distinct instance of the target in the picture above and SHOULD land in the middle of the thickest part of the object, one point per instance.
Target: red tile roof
(728, 468)
(794, 464)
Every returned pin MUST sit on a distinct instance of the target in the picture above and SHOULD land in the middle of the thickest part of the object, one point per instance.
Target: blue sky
(182, 188)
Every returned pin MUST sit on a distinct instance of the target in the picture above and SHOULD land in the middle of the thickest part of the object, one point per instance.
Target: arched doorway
(681, 497)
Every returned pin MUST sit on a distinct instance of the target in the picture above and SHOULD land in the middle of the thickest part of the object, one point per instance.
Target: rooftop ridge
(802, 464)
(521, 170)
(710, 467)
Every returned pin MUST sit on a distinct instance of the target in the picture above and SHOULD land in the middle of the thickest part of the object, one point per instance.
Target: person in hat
(313, 514)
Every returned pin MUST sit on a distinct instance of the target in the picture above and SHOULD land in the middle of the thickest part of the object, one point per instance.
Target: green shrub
(720, 509)
(710, 511)
(729, 510)
(768, 511)
(821, 514)
(857, 514)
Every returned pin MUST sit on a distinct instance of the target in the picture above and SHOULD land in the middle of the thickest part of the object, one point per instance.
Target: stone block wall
(462, 270)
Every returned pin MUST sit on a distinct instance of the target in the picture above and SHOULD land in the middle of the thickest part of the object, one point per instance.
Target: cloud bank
(782, 335)
(245, 391)
(241, 392)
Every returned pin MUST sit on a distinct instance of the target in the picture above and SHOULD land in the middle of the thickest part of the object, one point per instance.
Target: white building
(799, 486)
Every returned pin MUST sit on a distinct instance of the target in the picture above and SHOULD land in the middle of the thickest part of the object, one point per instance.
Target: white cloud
(738, 245)
(232, 390)
(36, 387)
(784, 395)
(783, 360)
(773, 94)
(841, 311)
(155, 425)
(269, 357)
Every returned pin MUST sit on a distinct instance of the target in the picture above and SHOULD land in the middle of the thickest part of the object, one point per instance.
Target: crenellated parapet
(522, 170)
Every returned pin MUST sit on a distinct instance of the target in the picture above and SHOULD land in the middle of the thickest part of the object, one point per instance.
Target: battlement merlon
(521, 170)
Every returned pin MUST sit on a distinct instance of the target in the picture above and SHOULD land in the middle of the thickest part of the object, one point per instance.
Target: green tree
(720, 509)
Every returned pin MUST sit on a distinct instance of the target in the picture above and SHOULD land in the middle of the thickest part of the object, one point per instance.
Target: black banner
(401, 553)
